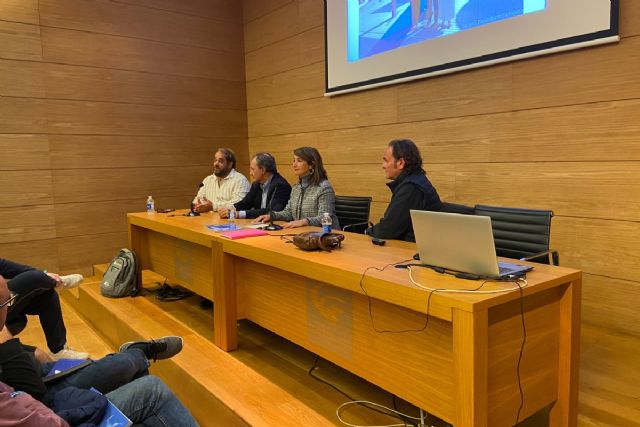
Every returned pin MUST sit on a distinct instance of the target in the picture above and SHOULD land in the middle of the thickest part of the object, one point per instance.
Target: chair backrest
(518, 233)
(352, 210)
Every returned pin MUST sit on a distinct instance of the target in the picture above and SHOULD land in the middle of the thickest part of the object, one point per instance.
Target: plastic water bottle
(232, 214)
(326, 222)
(151, 206)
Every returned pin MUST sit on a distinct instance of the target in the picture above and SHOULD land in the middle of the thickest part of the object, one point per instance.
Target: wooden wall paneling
(136, 87)
(22, 115)
(294, 52)
(24, 11)
(21, 78)
(601, 73)
(79, 185)
(362, 109)
(105, 17)
(16, 226)
(287, 21)
(457, 140)
(611, 303)
(104, 118)
(111, 151)
(24, 151)
(598, 246)
(253, 9)
(222, 10)
(80, 253)
(38, 253)
(605, 131)
(106, 51)
(595, 188)
(25, 188)
(293, 85)
(350, 181)
(101, 217)
(20, 41)
(485, 90)
(590, 132)
(629, 18)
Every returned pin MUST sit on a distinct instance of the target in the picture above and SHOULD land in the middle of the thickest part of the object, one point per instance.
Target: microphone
(272, 226)
(192, 211)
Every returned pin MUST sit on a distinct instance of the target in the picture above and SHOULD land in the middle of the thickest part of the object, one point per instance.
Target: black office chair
(457, 208)
(353, 213)
(521, 233)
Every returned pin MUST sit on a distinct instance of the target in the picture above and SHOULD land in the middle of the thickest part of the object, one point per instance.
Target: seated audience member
(225, 187)
(410, 189)
(269, 191)
(311, 197)
(36, 295)
(122, 377)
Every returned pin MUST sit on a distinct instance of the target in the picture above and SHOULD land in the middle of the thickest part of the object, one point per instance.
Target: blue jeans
(147, 401)
(105, 375)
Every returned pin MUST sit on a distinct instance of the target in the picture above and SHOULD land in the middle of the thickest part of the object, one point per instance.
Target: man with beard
(225, 187)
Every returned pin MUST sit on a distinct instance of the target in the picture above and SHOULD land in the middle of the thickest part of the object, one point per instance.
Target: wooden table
(461, 365)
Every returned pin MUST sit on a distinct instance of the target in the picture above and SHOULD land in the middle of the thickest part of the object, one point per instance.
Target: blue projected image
(376, 26)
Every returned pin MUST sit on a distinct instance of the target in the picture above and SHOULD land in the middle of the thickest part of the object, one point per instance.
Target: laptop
(461, 243)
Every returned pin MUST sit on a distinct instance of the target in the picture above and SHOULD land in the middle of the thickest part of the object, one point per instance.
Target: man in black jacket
(269, 191)
(410, 189)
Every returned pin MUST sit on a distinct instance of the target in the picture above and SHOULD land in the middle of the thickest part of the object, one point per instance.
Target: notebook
(63, 367)
(113, 417)
(462, 243)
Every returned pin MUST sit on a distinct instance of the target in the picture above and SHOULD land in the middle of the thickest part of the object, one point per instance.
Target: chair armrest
(357, 227)
(551, 257)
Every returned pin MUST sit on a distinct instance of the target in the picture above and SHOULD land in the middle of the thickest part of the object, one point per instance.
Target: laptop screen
(458, 242)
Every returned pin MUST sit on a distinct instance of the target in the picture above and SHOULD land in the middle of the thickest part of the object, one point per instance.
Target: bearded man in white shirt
(225, 187)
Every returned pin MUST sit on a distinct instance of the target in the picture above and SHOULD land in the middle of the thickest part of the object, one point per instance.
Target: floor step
(217, 388)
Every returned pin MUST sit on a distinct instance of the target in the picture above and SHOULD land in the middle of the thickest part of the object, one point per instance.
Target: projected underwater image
(376, 26)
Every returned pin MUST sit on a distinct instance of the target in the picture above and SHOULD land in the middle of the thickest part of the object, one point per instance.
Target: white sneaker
(69, 353)
(71, 280)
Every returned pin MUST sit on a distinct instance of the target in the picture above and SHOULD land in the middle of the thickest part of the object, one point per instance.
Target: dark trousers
(36, 296)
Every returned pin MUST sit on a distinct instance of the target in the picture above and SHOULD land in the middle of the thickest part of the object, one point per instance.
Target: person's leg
(148, 401)
(106, 374)
(47, 307)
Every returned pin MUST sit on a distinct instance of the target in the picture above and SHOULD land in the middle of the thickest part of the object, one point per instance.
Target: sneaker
(162, 348)
(71, 280)
(69, 353)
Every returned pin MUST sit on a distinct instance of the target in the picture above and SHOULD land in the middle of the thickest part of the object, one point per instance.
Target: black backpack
(121, 278)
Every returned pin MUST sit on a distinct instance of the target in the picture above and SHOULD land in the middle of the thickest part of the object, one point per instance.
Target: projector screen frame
(610, 35)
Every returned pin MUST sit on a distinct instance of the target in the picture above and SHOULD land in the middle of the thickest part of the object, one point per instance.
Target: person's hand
(223, 212)
(43, 357)
(261, 219)
(203, 206)
(296, 224)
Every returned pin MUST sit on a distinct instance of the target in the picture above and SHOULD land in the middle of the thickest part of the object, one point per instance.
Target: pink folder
(243, 233)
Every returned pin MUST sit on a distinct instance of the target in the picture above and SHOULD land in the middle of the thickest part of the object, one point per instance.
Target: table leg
(564, 412)
(224, 299)
(470, 359)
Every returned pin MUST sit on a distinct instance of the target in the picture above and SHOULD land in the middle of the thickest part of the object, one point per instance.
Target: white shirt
(223, 192)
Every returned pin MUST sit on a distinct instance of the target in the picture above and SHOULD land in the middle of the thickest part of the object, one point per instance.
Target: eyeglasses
(10, 301)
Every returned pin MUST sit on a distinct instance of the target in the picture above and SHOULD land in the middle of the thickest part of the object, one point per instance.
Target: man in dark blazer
(269, 191)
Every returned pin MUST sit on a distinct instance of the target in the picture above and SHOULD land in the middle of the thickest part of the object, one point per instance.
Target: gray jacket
(310, 202)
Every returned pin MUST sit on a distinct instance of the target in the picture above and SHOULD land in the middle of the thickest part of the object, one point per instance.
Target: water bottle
(151, 206)
(326, 222)
(232, 214)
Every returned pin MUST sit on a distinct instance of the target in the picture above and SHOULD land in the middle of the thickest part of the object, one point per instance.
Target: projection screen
(371, 43)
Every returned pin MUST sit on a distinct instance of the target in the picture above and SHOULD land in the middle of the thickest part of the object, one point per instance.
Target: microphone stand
(272, 226)
(192, 211)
